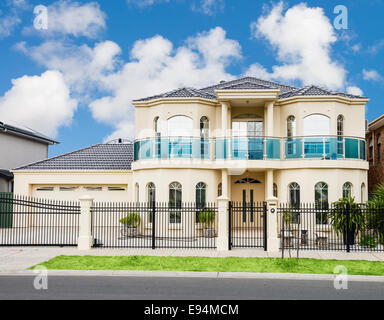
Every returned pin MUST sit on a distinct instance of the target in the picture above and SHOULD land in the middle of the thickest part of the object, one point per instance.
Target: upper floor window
(370, 147)
(291, 126)
(340, 126)
(180, 126)
(379, 148)
(156, 127)
(316, 125)
(204, 128)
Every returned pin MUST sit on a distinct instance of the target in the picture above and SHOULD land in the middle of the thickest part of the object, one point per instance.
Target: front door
(248, 203)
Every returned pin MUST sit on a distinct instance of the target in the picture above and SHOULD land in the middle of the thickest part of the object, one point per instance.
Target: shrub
(131, 220)
(367, 241)
(207, 216)
(381, 239)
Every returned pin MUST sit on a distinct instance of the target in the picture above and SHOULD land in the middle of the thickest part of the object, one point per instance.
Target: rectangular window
(45, 189)
(68, 188)
(93, 188)
(116, 189)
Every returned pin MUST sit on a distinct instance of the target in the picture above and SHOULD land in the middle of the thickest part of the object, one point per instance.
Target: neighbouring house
(245, 140)
(19, 146)
(375, 154)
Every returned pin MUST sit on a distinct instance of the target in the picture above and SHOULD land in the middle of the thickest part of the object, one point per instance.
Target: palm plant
(376, 209)
(338, 218)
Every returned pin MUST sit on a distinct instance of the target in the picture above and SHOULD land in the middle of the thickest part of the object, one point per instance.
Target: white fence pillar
(222, 238)
(85, 233)
(272, 239)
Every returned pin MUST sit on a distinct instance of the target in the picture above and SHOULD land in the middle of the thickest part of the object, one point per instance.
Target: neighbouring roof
(6, 174)
(26, 133)
(116, 155)
(286, 91)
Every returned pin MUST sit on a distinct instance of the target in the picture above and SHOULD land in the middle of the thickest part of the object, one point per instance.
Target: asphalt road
(159, 288)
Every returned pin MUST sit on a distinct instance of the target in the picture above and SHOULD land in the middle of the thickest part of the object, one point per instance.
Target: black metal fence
(26, 221)
(154, 225)
(346, 227)
(247, 225)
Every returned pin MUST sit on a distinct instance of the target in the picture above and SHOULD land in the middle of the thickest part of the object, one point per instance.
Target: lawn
(231, 264)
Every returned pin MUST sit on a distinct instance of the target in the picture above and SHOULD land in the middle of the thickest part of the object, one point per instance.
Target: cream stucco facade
(225, 161)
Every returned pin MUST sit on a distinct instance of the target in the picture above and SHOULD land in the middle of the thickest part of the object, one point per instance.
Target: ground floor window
(175, 194)
(347, 190)
(321, 202)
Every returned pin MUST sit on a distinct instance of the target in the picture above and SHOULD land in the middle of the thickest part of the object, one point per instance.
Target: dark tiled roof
(26, 132)
(182, 93)
(315, 91)
(286, 91)
(6, 174)
(107, 156)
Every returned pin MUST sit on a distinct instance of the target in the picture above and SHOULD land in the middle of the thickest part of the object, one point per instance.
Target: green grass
(231, 264)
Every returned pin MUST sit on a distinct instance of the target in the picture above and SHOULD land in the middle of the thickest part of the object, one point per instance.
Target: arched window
(321, 202)
(291, 126)
(175, 194)
(156, 127)
(370, 148)
(180, 126)
(347, 190)
(220, 189)
(362, 196)
(340, 134)
(137, 192)
(151, 191)
(379, 148)
(204, 128)
(294, 200)
(275, 190)
(201, 190)
(340, 125)
(316, 124)
(294, 195)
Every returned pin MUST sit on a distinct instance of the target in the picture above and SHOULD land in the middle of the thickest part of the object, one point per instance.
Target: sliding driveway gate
(26, 221)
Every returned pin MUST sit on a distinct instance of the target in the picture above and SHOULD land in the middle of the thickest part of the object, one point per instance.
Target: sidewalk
(17, 259)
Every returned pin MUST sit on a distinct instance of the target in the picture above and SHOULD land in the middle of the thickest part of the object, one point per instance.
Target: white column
(272, 239)
(224, 183)
(222, 236)
(269, 184)
(85, 234)
(224, 118)
(269, 106)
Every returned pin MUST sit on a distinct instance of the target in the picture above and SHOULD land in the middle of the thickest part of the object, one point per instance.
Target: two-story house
(245, 140)
(19, 146)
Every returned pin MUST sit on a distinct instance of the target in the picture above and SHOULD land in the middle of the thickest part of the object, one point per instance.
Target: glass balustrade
(250, 148)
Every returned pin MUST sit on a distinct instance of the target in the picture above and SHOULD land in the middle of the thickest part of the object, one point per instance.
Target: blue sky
(74, 80)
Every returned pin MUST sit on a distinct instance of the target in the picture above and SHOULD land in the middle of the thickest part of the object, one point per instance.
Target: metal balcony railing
(250, 148)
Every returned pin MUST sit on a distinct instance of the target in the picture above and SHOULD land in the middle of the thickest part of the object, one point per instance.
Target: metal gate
(247, 225)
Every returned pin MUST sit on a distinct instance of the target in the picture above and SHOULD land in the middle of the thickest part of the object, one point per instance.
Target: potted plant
(338, 219)
(130, 225)
(207, 218)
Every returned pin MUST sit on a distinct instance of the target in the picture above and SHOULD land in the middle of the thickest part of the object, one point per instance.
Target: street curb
(193, 274)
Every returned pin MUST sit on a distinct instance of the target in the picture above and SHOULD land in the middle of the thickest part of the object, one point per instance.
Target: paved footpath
(19, 259)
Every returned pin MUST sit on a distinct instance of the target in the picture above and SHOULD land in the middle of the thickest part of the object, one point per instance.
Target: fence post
(272, 239)
(153, 225)
(347, 211)
(222, 238)
(85, 233)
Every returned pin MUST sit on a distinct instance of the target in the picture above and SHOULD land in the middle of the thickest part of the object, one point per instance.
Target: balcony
(250, 148)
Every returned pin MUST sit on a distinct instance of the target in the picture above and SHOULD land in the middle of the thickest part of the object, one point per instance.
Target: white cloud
(209, 7)
(68, 17)
(154, 66)
(355, 91)
(302, 38)
(8, 24)
(40, 102)
(371, 75)
(145, 3)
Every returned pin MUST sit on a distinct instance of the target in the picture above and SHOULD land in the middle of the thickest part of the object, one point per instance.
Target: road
(161, 288)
